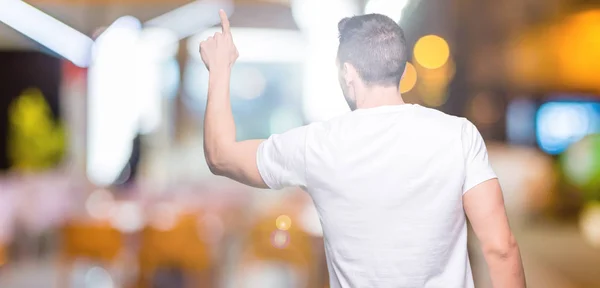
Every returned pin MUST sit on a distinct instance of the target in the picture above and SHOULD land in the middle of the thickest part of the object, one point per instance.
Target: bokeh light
(128, 217)
(589, 223)
(390, 8)
(575, 45)
(581, 165)
(98, 277)
(483, 109)
(250, 82)
(100, 204)
(283, 222)
(431, 51)
(432, 85)
(409, 78)
(164, 216)
(560, 124)
(280, 239)
(315, 17)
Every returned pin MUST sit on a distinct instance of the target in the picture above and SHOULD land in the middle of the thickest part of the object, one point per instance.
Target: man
(391, 181)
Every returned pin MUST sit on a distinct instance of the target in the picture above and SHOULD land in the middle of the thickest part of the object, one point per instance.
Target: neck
(377, 96)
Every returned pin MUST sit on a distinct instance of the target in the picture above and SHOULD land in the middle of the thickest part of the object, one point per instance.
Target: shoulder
(441, 119)
(327, 125)
(437, 114)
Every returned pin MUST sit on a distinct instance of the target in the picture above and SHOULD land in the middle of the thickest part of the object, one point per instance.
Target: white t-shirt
(388, 185)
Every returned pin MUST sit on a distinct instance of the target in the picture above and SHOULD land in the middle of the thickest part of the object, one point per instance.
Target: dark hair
(374, 44)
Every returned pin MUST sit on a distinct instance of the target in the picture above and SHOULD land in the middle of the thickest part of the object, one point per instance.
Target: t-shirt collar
(386, 108)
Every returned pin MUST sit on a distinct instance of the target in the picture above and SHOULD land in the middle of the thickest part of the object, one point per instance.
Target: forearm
(219, 125)
(506, 268)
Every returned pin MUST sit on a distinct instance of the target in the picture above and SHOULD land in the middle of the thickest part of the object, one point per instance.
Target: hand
(219, 52)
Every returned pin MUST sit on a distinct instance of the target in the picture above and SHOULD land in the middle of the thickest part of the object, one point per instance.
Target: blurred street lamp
(46, 30)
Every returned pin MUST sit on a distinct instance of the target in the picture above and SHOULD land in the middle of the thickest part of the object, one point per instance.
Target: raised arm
(484, 206)
(276, 162)
(224, 155)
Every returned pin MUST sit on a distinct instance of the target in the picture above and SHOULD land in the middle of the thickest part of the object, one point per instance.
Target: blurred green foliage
(35, 140)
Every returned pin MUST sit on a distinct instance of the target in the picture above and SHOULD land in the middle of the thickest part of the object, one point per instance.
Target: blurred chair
(179, 246)
(289, 247)
(95, 241)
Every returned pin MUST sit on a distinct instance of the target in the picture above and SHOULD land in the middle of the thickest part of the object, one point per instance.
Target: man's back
(388, 184)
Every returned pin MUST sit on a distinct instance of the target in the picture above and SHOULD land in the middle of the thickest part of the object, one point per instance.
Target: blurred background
(103, 181)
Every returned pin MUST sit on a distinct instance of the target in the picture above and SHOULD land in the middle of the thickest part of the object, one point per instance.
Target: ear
(350, 73)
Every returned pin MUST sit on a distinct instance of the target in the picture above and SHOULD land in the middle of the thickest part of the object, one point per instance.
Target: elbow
(215, 164)
(502, 250)
(219, 158)
(214, 168)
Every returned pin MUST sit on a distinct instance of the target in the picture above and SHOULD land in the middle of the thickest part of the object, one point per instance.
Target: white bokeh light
(128, 217)
(323, 98)
(250, 82)
(258, 45)
(100, 204)
(390, 8)
(318, 20)
(126, 81)
(111, 119)
(98, 277)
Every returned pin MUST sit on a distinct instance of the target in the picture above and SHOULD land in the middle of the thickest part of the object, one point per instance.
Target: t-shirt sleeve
(281, 159)
(477, 166)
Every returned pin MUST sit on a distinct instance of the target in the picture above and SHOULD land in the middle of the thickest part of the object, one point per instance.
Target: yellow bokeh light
(431, 51)
(432, 86)
(409, 78)
(589, 224)
(283, 222)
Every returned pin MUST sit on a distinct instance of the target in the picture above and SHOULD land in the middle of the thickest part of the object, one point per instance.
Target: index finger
(224, 22)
